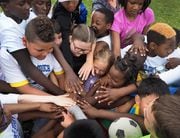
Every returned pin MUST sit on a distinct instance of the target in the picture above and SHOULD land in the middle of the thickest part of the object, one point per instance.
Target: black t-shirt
(66, 20)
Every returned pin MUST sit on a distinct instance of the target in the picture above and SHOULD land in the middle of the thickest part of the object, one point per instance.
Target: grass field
(165, 11)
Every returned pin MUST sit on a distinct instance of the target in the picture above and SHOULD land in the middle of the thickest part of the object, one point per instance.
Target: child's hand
(104, 80)
(108, 95)
(54, 115)
(172, 63)
(68, 119)
(72, 82)
(88, 109)
(48, 107)
(64, 100)
(85, 70)
(139, 46)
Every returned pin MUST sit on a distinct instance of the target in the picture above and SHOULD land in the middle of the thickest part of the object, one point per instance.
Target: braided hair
(130, 65)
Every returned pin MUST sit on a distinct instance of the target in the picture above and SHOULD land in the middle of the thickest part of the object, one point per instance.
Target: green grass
(167, 11)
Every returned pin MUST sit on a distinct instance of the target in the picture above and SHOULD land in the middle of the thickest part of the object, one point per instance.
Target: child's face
(100, 67)
(79, 48)
(144, 102)
(41, 7)
(149, 119)
(17, 9)
(116, 78)
(99, 24)
(70, 5)
(39, 49)
(165, 49)
(134, 7)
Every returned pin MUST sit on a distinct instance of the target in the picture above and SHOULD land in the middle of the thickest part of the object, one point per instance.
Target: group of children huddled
(73, 80)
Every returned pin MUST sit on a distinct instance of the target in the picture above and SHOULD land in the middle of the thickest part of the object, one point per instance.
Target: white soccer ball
(124, 128)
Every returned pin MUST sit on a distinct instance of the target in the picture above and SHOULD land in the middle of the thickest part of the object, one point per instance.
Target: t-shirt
(127, 28)
(32, 15)
(135, 110)
(12, 131)
(11, 34)
(175, 78)
(15, 76)
(156, 65)
(106, 39)
(89, 83)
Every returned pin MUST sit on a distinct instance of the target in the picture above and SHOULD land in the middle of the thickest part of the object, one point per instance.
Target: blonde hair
(83, 33)
(103, 53)
(164, 29)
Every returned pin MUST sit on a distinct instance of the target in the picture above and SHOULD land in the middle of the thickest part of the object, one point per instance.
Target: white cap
(63, 0)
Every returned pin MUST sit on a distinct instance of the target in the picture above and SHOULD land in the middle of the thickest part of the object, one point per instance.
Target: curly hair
(129, 65)
(40, 28)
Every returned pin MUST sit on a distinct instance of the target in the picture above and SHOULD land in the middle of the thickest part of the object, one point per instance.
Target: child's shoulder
(120, 12)
(6, 22)
(148, 12)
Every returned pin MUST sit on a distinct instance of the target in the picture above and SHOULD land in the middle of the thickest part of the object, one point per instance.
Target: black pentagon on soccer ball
(133, 123)
(120, 133)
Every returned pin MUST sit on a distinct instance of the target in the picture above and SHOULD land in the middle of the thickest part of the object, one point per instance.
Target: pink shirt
(126, 28)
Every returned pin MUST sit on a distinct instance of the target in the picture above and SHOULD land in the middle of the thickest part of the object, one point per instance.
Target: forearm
(30, 70)
(90, 55)
(116, 44)
(138, 37)
(20, 108)
(126, 90)
(27, 89)
(26, 98)
(5, 87)
(61, 80)
(31, 115)
(60, 58)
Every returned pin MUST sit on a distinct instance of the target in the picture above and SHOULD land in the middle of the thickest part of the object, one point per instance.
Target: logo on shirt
(44, 68)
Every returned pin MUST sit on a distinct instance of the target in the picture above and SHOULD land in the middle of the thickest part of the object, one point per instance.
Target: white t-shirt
(15, 76)
(11, 34)
(32, 15)
(12, 130)
(172, 76)
(156, 65)
(106, 39)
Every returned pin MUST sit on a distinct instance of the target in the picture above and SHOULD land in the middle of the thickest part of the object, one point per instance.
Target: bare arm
(116, 43)
(5, 87)
(93, 112)
(62, 100)
(31, 115)
(71, 79)
(61, 80)
(20, 108)
(27, 89)
(87, 67)
(23, 58)
(146, 28)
